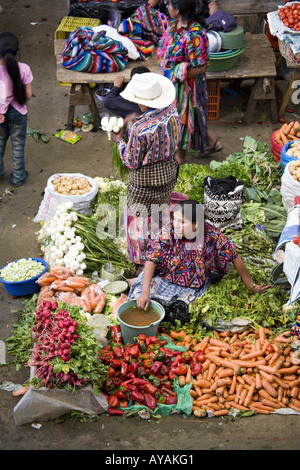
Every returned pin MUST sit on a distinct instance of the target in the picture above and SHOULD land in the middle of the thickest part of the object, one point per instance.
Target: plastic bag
(68, 136)
(290, 188)
(104, 10)
(41, 404)
(52, 199)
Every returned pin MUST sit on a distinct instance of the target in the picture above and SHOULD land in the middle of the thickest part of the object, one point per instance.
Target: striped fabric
(144, 28)
(149, 153)
(178, 50)
(152, 138)
(90, 51)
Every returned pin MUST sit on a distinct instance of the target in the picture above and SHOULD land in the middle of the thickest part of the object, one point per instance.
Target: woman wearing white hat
(150, 155)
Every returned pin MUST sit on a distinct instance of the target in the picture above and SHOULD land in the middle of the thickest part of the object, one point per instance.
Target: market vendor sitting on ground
(149, 153)
(181, 263)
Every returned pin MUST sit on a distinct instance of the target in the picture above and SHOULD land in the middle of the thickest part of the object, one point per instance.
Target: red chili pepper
(121, 395)
(172, 375)
(115, 411)
(196, 368)
(178, 360)
(181, 369)
(141, 337)
(149, 388)
(134, 351)
(147, 363)
(133, 367)
(150, 401)
(118, 354)
(116, 332)
(167, 392)
(151, 340)
(111, 372)
(113, 401)
(164, 369)
(117, 381)
(169, 352)
(124, 368)
(137, 396)
(171, 400)
(138, 381)
(162, 342)
(116, 363)
(156, 366)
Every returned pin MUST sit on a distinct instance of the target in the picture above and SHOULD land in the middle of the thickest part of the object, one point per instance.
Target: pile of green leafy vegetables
(255, 165)
(261, 176)
(228, 299)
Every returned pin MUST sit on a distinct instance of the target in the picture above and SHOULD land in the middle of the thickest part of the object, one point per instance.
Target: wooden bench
(256, 62)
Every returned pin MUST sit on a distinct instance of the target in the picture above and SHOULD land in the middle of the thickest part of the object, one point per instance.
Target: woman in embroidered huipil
(182, 54)
(182, 261)
(149, 153)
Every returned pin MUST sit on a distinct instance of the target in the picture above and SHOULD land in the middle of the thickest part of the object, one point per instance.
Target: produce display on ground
(236, 353)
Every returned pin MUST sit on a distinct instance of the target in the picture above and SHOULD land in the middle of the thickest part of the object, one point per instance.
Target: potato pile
(294, 149)
(294, 168)
(71, 186)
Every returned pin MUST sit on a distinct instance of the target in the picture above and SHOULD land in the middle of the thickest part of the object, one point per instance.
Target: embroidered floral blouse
(192, 267)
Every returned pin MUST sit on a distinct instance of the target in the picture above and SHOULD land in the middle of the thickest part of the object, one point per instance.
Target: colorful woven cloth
(145, 27)
(181, 262)
(178, 50)
(296, 327)
(90, 51)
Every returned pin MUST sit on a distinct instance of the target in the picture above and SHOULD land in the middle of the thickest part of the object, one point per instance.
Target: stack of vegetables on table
(219, 365)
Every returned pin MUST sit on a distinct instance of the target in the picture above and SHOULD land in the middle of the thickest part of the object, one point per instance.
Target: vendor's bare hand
(143, 301)
(119, 81)
(130, 117)
(115, 136)
(2, 118)
(260, 288)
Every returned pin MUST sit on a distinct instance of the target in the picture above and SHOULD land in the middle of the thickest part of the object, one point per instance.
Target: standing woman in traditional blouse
(182, 261)
(149, 153)
(182, 54)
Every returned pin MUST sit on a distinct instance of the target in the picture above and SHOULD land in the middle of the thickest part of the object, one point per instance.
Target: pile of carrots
(250, 371)
(60, 284)
(288, 132)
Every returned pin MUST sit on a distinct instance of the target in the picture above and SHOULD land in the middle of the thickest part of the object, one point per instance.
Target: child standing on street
(15, 90)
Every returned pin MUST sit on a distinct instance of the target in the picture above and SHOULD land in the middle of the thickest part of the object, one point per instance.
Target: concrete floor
(35, 23)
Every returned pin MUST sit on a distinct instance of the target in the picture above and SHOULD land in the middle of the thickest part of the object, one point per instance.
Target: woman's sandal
(211, 150)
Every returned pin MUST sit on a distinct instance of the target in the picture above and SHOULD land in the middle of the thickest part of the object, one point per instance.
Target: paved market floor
(35, 23)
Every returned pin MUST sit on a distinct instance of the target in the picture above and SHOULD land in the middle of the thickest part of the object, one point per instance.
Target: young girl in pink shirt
(15, 90)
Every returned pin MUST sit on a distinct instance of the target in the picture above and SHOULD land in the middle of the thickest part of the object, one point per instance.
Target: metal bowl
(215, 41)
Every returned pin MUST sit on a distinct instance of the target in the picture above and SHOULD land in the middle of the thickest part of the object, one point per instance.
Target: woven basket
(286, 52)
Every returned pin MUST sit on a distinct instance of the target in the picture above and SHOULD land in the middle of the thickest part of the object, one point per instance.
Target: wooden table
(257, 61)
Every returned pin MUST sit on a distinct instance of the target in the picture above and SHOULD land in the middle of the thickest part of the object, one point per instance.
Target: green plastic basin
(233, 39)
(220, 63)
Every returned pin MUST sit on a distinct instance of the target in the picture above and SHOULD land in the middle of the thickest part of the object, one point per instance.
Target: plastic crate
(213, 104)
(71, 23)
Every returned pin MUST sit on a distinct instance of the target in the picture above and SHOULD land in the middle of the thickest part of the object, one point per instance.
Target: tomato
(281, 119)
(270, 348)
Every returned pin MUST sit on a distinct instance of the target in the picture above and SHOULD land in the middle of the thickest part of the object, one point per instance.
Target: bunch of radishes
(54, 334)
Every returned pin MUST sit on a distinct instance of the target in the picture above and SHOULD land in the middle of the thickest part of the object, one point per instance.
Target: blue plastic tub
(27, 287)
(284, 158)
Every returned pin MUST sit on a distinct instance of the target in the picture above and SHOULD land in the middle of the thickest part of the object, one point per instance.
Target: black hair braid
(9, 46)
